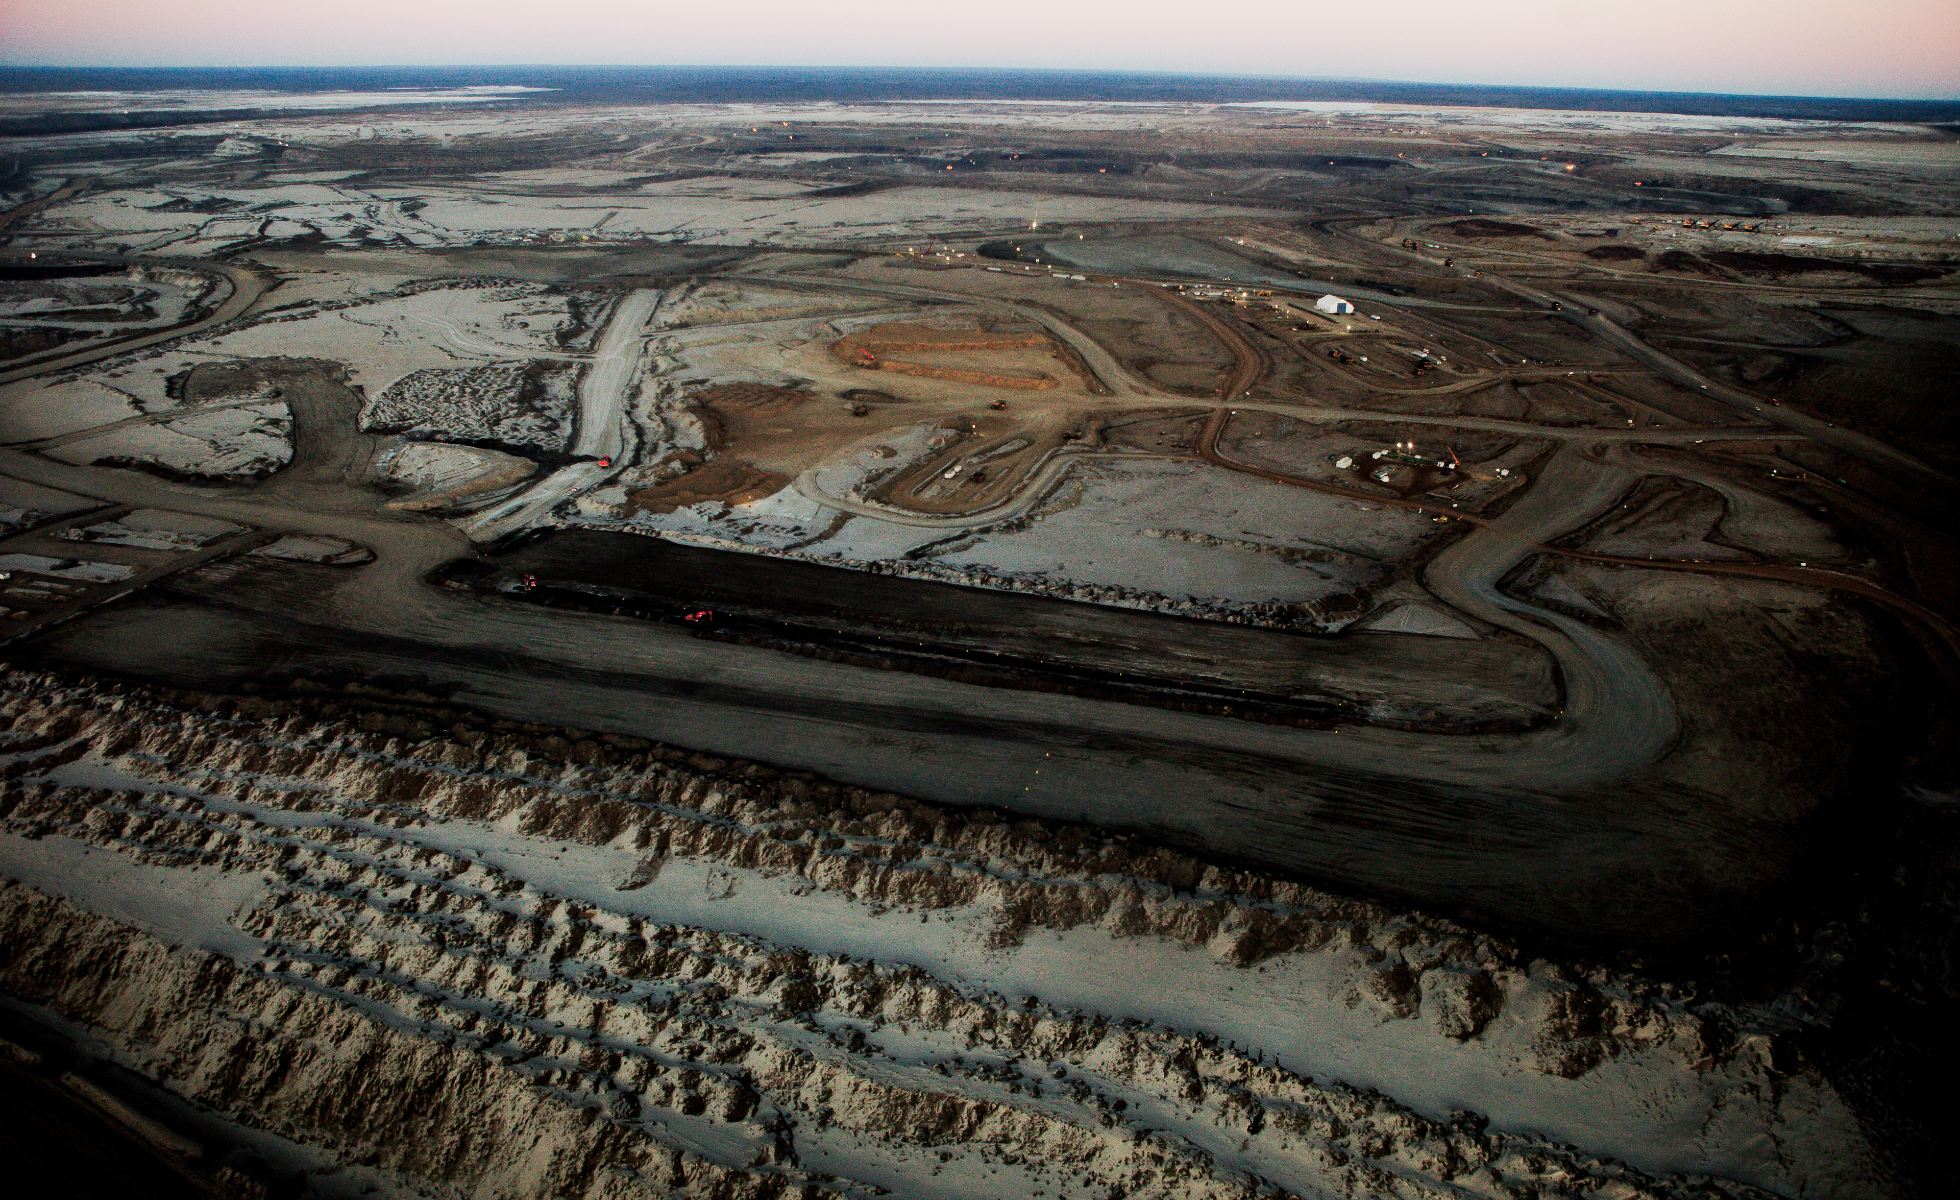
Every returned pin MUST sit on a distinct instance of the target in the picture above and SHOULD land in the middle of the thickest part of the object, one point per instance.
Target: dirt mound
(1682, 262)
(727, 480)
(438, 475)
(911, 335)
(751, 397)
(992, 379)
(877, 348)
(1765, 264)
(1760, 262)
(1617, 252)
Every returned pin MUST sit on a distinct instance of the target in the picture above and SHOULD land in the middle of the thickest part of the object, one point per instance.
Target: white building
(1334, 306)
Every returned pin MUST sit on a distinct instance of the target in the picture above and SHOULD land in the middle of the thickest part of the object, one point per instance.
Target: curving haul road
(1490, 824)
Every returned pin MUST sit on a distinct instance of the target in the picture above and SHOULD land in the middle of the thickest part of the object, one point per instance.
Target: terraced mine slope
(516, 962)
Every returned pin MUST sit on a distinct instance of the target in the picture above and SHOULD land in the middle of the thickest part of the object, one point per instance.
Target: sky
(1889, 48)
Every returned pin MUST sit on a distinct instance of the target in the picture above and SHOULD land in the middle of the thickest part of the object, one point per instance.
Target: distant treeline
(710, 84)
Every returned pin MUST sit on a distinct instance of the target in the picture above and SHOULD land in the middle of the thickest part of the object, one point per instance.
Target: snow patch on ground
(154, 529)
(74, 569)
(243, 441)
(1097, 532)
(24, 504)
(1415, 618)
(314, 548)
(183, 906)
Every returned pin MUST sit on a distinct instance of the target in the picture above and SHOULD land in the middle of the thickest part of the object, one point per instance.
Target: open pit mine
(564, 645)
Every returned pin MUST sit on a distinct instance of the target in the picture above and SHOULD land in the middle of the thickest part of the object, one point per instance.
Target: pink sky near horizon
(1905, 48)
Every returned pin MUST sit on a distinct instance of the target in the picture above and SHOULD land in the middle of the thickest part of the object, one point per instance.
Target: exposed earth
(915, 649)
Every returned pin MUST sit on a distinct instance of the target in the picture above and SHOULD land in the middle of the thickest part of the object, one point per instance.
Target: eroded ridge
(513, 962)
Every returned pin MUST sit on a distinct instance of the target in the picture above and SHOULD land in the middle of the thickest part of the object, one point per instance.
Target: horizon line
(1140, 72)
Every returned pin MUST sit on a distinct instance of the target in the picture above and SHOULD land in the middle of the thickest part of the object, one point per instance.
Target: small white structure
(1333, 306)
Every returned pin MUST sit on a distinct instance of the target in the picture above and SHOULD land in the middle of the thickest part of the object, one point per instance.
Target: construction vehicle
(866, 359)
(530, 582)
(998, 406)
(700, 618)
(859, 408)
(604, 460)
(1405, 453)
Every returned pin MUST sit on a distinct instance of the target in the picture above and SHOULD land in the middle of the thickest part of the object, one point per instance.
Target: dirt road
(1362, 804)
(1249, 366)
(1374, 807)
(1753, 406)
(602, 427)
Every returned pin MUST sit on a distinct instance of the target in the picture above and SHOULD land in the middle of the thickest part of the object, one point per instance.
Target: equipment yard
(949, 649)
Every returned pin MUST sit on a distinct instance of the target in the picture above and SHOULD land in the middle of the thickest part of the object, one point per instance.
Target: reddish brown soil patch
(751, 396)
(876, 349)
(731, 481)
(740, 412)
